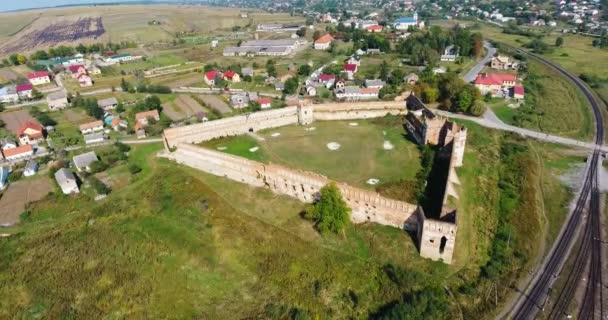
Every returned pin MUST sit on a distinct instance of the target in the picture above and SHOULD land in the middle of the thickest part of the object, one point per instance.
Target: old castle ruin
(436, 237)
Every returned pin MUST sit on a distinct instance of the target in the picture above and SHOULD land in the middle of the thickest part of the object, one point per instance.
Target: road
(534, 297)
(109, 142)
(490, 121)
(472, 74)
(220, 91)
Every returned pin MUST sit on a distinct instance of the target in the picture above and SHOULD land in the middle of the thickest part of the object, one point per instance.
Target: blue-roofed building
(406, 22)
(3, 177)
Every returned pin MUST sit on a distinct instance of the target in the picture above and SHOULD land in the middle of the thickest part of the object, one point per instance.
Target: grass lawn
(361, 155)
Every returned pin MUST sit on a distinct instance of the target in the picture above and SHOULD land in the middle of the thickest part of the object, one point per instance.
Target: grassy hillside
(178, 243)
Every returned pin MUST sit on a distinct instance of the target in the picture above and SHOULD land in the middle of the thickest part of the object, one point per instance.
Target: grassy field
(176, 242)
(361, 155)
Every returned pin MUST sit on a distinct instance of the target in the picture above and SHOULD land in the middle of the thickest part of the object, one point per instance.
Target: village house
(374, 28)
(357, 93)
(406, 22)
(232, 76)
(374, 83)
(38, 78)
(494, 83)
(118, 124)
(84, 80)
(4, 172)
(518, 92)
(9, 95)
(31, 167)
(91, 127)
(411, 78)
(265, 103)
(143, 117)
(25, 90)
(82, 162)
(57, 100)
(30, 133)
(8, 143)
(18, 153)
(324, 42)
(121, 58)
(66, 181)
(327, 80)
(350, 70)
(503, 63)
(279, 86)
(76, 70)
(247, 71)
(449, 54)
(210, 77)
(356, 60)
(108, 104)
(94, 138)
(239, 100)
(311, 91)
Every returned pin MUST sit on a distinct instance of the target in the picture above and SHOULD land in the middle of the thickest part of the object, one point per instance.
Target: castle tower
(305, 115)
(458, 145)
(436, 239)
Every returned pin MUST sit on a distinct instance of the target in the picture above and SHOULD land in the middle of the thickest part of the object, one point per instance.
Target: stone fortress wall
(436, 237)
(367, 206)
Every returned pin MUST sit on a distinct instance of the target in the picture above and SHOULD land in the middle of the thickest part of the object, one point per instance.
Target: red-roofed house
(324, 42)
(30, 133)
(350, 69)
(77, 69)
(84, 80)
(20, 152)
(142, 117)
(327, 79)
(232, 76)
(211, 75)
(374, 28)
(265, 103)
(40, 77)
(494, 83)
(518, 92)
(24, 90)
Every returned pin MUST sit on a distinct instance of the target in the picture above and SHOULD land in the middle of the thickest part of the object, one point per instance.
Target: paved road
(24, 104)
(490, 121)
(220, 91)
(100, 91)
(472, 74)
(109, 142)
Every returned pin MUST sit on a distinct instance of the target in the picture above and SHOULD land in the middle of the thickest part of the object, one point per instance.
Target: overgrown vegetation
(330, 212)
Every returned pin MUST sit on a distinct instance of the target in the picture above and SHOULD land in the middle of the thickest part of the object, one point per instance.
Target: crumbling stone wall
(367, 206)
(358, 110)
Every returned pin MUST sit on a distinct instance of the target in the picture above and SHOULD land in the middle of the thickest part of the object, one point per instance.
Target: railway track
(590, 253)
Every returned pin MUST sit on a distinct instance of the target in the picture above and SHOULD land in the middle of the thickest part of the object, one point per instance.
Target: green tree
(124, 85)
(331, 213)
(384, 70)
(120, 107)
(291, 85)
(430, 95)
(99, 186)
(559, 41)
(302, 32)
(305, 70)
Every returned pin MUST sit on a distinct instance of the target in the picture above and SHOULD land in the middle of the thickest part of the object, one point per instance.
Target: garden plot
(14, 119)
(216, 103)
(173, 112)
(188, 105)
(8, 75)
(19, 194)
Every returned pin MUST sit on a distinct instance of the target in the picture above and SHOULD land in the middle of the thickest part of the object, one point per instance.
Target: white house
(9, 94)
(91, 127)
(38, 78)
(324, 42)
(66, 181)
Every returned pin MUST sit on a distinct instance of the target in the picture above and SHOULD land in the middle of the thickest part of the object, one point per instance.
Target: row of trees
(143, 87)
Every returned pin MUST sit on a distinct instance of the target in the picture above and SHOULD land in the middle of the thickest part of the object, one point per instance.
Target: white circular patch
(333, 146)
(222, 148)
(276, 134)
(388, 145)
(353, 124)
(373, 181)
(254, 149)
(311, 129)
(383, 133)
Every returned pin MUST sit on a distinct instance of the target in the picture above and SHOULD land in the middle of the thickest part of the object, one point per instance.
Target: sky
(9, 5)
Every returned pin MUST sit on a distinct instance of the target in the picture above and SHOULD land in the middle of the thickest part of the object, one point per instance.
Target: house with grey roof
(374, 83)
(8, 143)
(107, 104)
(247, 71)
(31, 167)
(66, 181)
(82, 162)
(94, 138)
(57, 100)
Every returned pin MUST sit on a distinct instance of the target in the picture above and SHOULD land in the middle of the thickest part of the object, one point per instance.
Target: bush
(99, 186)
(134, 169)
(331, 212)
(98, 166)
(122, 147)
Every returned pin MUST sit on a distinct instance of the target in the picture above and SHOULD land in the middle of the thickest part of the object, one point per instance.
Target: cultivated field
(215, 102)
(361, 155)
(14, 119)
(182, 107)
(19, 194)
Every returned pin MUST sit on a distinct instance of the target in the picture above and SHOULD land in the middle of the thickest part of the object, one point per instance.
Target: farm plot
(173, 112)
(19, 194)
(215, 103)
(189, 105)
(53, 34)
(7, 75)
(14, 119)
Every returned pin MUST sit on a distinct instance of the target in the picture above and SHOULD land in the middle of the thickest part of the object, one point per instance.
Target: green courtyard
(361, 154)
